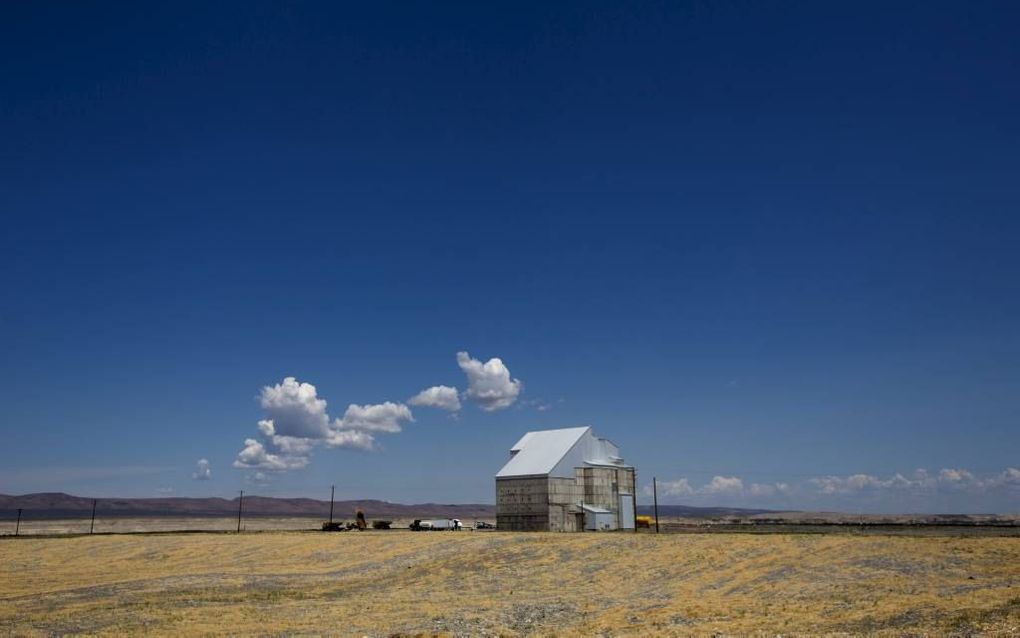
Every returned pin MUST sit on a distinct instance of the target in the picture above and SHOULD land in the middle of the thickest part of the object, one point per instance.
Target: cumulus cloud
(1010, 477)
(540, 405)
(383, 417)
(869, 483)
(920, 482)
(679, 487)
(724, 485)
(297, 421)
(768, 490)
(947, 480)
(203, 471)
(438, 396)
(957, 479)
(258, 478)
(295, 409)
(351, 440)
(719, 485)
(255, 456)
(489, 383)
(286, 445)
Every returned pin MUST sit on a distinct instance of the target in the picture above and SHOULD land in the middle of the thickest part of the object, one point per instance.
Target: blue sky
(770, 250)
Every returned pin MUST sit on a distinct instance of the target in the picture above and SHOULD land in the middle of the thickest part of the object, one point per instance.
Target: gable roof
(538, 452)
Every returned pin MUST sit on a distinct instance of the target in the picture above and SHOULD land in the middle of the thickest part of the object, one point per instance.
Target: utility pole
(92, 527)
(655, 497)
(332, 488)
(17, 526)
(240, 502)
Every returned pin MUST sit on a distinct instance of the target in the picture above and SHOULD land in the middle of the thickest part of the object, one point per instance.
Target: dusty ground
(492, 583)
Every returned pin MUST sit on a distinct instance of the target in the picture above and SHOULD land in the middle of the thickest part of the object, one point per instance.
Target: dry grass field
(482, 583)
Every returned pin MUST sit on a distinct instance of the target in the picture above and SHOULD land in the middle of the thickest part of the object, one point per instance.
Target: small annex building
(567, 480)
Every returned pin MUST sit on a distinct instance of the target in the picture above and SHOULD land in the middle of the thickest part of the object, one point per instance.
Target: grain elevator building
(565, 480)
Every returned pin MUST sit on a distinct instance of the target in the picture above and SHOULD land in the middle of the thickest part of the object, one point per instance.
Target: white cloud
(682, 487)
(203, 471)
(258, 478)
(762, 489)
(947, 480)
(863, 483)
(956, 479)
(540, 405)
(948, 488)
(286, 445)
(438, 396)
(255, 456)
(297, 422)
(489, 383)
(1010, 477)
(679, 487)
(923, 480)
(768, 490)
(164, 491)
(382, 417)
(295, 409)
(827, 484)
(351, 440)
(724, 485)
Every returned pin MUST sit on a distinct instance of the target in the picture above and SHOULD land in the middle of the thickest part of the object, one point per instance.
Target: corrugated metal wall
(552, 504)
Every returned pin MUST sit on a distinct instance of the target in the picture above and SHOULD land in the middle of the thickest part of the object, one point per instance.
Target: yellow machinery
(644, 521)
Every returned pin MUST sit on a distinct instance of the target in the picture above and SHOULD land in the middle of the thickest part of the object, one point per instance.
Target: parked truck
(436, 524)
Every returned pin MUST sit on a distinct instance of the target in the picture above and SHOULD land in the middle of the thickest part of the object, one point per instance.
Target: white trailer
(445, 524)
(438, 524)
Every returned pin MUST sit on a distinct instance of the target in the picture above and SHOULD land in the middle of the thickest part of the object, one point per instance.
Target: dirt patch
(529, 618)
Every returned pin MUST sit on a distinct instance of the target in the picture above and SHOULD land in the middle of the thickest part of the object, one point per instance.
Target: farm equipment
(381, 524)
(358, 524)
(644, 521)
(339, 526)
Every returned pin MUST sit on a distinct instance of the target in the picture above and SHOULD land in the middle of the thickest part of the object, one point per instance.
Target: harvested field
(383, 583)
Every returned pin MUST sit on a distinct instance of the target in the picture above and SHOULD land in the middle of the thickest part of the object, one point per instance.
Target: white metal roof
(538, 452)
(594, 509)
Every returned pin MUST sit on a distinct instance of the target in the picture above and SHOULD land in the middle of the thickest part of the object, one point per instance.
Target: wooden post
(655, 497)
(17, 526)
(332, 488)
(240, 502)
(92, 526)
(633, 500)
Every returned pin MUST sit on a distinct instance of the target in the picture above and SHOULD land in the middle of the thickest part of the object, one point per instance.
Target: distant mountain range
(686, 511)
(57, 505)
(60, 505)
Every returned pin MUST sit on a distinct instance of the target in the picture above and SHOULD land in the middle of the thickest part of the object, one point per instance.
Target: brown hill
(60, 505)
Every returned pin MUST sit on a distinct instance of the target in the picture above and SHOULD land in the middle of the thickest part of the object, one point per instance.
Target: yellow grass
(381, 583)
